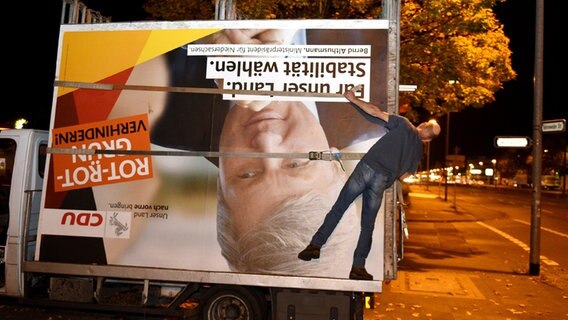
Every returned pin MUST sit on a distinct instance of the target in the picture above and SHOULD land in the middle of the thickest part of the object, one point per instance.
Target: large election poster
(221, 113)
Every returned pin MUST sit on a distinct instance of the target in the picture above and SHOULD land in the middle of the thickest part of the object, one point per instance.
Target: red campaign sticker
(74, 170)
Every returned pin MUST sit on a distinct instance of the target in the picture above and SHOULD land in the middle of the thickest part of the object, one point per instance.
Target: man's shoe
(359, 273)
(312, 251)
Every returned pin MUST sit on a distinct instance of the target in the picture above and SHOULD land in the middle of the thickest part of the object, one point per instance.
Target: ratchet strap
(311, 155)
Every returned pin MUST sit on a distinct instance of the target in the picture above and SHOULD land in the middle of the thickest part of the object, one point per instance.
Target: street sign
(512, 142)
(558, 125)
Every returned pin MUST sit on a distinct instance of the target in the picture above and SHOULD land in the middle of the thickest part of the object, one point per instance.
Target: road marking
(518, 242)
(545, 229)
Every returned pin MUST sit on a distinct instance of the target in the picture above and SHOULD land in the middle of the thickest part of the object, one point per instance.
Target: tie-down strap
(311, 155)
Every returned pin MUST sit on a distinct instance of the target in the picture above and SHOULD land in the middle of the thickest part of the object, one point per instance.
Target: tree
(180, 9)
(454, 51)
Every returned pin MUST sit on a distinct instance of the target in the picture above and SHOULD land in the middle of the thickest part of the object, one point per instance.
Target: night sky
(32, 56)
(473, 130)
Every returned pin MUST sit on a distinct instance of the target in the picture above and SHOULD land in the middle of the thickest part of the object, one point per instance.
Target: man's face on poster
(252, 187)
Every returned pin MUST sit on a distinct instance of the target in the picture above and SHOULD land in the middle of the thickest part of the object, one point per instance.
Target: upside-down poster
(206, 121)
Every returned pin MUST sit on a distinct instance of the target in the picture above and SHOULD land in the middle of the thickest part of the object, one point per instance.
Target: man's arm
(369, 108)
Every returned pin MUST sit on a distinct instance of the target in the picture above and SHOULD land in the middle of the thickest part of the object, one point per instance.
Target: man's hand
(350, 95)
(369, 108)
(357, 88)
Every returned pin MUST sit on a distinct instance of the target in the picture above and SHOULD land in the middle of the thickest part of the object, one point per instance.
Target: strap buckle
(315, 155)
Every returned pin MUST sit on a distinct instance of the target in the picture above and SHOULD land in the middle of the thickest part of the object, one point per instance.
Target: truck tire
(233, 303)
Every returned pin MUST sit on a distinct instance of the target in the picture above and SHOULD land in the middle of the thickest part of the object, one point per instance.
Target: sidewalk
(453, 268)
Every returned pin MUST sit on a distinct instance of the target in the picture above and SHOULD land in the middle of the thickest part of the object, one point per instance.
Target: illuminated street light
(20, 123)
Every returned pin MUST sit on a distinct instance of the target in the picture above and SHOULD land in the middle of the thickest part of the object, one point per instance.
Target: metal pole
(446, 157)
(455, 206)
(534, 265)
(427, 165)
(494, 173)
(563, 171)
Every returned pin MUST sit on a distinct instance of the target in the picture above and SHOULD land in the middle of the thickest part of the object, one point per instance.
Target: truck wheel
(233, 303)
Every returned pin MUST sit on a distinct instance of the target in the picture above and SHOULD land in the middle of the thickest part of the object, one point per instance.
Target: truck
(184, 170)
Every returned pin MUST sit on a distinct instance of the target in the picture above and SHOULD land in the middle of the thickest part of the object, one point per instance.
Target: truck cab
(22, 165)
